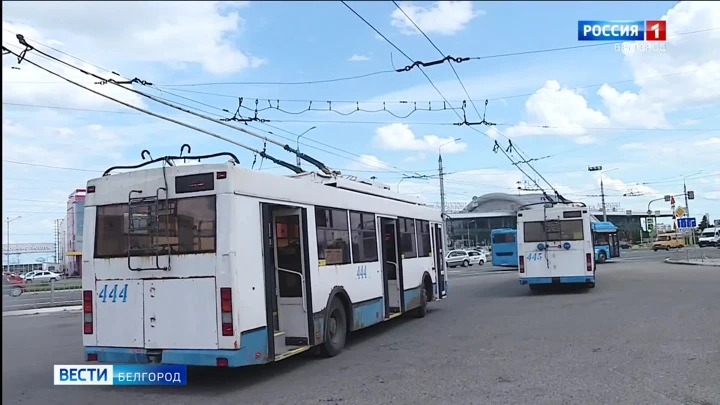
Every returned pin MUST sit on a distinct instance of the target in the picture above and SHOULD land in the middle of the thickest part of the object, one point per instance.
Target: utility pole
(441, 175)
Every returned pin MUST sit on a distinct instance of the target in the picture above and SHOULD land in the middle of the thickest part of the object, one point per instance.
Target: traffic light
(691, 195)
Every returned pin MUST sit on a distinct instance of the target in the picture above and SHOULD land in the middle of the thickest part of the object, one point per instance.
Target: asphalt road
(647, 334)
(44, 299)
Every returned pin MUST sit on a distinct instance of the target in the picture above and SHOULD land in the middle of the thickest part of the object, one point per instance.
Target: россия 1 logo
(631, 33)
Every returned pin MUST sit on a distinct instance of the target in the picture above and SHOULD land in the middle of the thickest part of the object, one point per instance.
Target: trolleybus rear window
(539, 231)
(184, 226)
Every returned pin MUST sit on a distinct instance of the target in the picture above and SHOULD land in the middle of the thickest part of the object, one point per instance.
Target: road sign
(680, 211)
(684, 223)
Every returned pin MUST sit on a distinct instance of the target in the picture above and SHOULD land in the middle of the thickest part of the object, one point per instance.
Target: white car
(42, 276)
(477, 257)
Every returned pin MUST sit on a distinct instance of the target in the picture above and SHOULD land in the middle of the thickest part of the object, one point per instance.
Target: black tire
(335, 330)
(15, 292)
(602, 257)
(655, 249)
(465, 263)
(421, 311)
(481, 262)
(534, 287)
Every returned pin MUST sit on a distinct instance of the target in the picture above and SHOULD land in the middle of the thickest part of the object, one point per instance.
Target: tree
(705, 223)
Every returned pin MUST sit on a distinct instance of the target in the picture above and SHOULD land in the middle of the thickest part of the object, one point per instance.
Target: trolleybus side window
(364, 237)
(539, 231)
(423, 238)
(333, 235)
(408, 243)
(187, 226)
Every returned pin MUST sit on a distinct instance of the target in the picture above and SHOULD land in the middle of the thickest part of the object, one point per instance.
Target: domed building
(472, 226)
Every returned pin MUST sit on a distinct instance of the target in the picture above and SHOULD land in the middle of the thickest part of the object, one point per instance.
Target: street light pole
(297, 145)
(8, 220)
(468, 231)
(602, 187)
(441, 176)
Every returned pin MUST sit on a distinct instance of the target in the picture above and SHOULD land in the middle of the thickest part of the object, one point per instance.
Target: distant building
(472, 226)
(74, 232)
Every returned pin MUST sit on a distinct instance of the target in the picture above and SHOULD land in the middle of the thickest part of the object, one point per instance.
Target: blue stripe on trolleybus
(563, 280)
(253, 351)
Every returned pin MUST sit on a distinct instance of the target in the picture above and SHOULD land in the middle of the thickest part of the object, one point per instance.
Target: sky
(649, 118)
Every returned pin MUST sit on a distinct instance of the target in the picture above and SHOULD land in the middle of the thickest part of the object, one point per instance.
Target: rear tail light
(221, 175)
(87, 312)
(521, 264)
(226, 311)
(588, 262)
(90, 189)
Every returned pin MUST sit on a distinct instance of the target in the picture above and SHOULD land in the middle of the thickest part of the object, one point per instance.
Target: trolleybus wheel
(421, 311)
(335, 329)
(602, 257)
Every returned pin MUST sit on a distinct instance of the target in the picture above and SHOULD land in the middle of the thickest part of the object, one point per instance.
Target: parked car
(477, 257)
(456, 258)
(625, 244)
(42, 276)
(13, 285)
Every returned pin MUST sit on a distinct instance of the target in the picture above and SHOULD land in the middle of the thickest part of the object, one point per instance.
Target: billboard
(28, 248)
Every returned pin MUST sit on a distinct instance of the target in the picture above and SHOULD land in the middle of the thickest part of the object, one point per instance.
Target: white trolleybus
(555, 245)
(216, 265)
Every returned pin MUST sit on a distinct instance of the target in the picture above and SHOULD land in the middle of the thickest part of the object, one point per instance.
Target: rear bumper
(254, 351)
(558, 280)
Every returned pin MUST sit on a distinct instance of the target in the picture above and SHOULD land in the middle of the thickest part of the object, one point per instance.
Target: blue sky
(655, 120)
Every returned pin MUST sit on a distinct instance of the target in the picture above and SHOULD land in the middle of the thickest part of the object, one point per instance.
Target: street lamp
(468, 231)
(297, 144)
(602, 187)
(8, 220)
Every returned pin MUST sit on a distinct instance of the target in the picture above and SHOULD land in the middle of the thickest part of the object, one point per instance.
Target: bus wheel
(421, 311)
(335, 329)
(602, 257)
(534, 287)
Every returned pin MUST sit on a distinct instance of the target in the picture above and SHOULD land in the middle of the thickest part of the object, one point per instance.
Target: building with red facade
(74, 233)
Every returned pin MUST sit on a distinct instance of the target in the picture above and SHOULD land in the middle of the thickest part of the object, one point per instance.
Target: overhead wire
(429, 80)
(256, 151)
(166, 102)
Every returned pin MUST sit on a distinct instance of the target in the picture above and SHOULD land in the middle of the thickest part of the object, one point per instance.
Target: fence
(707, 254)
(37, 295)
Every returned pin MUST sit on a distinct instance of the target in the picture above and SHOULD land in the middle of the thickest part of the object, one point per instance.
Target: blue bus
(504, 247)
(605, 240)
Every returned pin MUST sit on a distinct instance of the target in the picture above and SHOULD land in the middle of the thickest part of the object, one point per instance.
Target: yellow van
(667, 241)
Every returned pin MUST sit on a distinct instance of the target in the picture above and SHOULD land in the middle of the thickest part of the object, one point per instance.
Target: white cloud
(443, 18)
(372, 162)
(400, 137)
(696, 54)
(201, 33)
(558, 111)
(619, 186)
(666, 150)
(359, 58)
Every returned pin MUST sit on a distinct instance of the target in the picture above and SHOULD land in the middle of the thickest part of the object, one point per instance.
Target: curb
(682, 262)
(39, 311)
